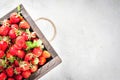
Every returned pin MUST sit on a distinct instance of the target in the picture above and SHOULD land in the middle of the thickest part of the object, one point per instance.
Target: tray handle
(53, 26)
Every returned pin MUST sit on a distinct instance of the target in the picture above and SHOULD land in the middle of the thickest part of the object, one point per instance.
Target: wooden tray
(54, 61)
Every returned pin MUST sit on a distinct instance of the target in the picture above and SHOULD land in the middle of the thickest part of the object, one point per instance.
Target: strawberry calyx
(17, 70)
(35, 43)
(24, 65)
(6, 23)
(28, 56)
(35, 61)
(10, 58)
(3, 63)
(6, 38)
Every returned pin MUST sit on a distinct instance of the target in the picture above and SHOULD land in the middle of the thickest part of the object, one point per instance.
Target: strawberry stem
(19, 9)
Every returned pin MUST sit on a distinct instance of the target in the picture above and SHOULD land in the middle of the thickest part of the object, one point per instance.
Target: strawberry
(3, 76)
(12, 33)
(24, 24)
(17, 70)
(34, 68)
(13, 50)
(4, 30)
(42, 60)
(3, 45)
(46, 54)
(10, 79)
(28, 57)
(20, 54)
(24, 65)
(16, 63)
(37, 51)
(14, 26)
(35, 61)
(16, 47)
(10, 71)
(14, 18)
(25, 35)
(25, 47)
(1, 54)
(6, 22)
(26, 74)
(20, 41)
(18, 77)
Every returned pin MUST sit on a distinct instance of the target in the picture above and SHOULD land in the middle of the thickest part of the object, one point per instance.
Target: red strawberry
(24, 24)
(25, 46)
(13, 50)
(17, 70)
(3, 76)
(14, 26)
(37, 51)
(42, 61)
(35, 61)
(25, 35)
(20, 54)
(28, 57)
(16, 63)
(10, 71)
(3, 45)
(4, 30)
(34, 68)
(6, 22)
(14, 18)
(26, 74)
(20, 41)
(24, 65)
(16, 47)
(1, 54)
(18, 77)
(12, 33)
(10, 79)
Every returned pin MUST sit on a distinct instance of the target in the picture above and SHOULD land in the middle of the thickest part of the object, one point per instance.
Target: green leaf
(37, 43)
(29, 45)
(34, 44)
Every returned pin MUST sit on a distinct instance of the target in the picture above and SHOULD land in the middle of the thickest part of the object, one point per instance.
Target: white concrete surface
(88, 36)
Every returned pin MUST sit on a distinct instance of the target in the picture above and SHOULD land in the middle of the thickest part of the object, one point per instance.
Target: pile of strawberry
(21, 52)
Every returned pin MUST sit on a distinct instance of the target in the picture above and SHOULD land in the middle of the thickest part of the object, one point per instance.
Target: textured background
(87, 36)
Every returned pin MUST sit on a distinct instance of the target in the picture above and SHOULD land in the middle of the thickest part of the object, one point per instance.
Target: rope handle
(53, 26)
